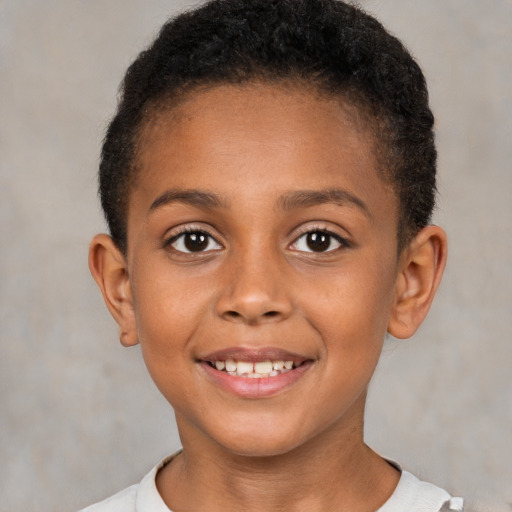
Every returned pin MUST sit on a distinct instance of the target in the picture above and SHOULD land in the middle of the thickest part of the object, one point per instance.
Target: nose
(255, 291)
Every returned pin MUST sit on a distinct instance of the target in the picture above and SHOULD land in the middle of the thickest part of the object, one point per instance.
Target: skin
(258, 285)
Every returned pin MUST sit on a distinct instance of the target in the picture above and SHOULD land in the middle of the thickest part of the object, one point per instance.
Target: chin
(261, 451)
(262, 441)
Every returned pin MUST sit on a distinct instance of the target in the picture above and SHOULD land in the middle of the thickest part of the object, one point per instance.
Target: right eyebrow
(192, 197)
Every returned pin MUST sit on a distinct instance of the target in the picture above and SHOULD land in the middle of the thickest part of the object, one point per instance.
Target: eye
(318, 241)
(193, 241)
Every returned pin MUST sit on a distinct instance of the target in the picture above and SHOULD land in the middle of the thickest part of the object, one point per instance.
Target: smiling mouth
(256, 370)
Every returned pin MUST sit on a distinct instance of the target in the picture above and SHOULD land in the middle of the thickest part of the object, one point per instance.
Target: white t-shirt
(410, 495)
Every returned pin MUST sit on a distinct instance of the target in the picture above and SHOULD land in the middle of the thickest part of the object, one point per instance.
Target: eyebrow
(308, 198)
(288, 201)
(192, 197)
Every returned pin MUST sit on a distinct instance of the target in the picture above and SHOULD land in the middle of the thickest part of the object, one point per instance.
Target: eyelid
(178, 231)
(322, 228)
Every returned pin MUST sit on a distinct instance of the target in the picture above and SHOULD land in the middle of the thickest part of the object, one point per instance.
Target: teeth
(257, 370)
(263, 367)
(230, 365)
(243, 367)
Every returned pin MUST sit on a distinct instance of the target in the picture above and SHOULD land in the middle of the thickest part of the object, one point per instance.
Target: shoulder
(142, 497)
(415, 495)
(123, 501)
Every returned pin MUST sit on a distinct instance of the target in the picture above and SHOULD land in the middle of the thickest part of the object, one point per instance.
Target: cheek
(170, 310)
(351, 301)
(165, 324)
(168, 304)
(351, 308)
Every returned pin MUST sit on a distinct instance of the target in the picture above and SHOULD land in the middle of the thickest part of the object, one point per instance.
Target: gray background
(80, 418)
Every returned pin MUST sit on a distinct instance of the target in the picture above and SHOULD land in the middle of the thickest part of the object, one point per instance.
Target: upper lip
(254, 355)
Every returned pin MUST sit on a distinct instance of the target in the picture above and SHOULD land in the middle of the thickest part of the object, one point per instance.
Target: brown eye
(318, 241)
(194, 241)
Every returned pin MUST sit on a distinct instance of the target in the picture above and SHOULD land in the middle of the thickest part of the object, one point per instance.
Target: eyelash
(310, 230)
(189, 230)
(344, 243)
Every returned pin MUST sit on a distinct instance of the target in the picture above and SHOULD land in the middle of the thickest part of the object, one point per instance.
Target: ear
(109, 268)
(421, 268)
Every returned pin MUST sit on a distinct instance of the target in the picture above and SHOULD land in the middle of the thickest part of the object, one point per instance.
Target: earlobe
(421, 269)
(109, 270)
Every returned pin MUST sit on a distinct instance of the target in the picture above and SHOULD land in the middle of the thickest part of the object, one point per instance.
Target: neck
(336, 472)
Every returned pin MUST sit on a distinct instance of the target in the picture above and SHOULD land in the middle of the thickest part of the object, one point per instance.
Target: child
(268, 182)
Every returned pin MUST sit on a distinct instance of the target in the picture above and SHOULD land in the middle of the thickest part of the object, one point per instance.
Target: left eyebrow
(308, 198)
(197, 198)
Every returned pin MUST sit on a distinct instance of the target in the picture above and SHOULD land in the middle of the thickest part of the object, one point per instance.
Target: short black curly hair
(329, 44)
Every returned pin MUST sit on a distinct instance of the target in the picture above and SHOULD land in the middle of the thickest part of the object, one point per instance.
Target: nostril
(236, 316)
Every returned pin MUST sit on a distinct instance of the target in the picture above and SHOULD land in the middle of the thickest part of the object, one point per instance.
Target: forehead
(244, 135)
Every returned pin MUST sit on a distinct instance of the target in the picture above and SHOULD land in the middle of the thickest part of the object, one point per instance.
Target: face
(262, 265)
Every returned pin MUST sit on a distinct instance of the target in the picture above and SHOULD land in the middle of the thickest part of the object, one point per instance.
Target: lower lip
(256, 388)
